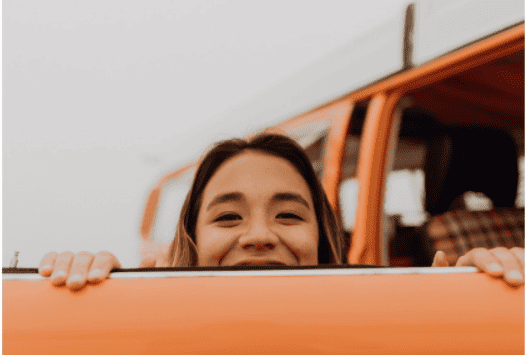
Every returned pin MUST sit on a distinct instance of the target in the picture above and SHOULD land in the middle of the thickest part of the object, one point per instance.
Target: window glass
(404, 192)
(349, 202)
(171, 201)
(313, 137)
(404, 196)
(519, 202)
(349, 185)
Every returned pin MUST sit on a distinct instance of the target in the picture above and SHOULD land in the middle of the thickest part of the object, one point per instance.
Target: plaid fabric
(457, 232)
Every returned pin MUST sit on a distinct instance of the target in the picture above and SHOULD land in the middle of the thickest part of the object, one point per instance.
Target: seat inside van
(462, 160)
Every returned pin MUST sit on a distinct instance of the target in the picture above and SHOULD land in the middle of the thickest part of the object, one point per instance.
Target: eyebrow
(223, 198)
(238, 196)
(290, 196)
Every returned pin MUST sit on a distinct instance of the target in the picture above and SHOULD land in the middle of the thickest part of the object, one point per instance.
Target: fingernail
(74, 279)
(495, 268)
(46, 270)
(95, 274)
(59, 278)
(60, 274)
(74, 282)
(514, 275)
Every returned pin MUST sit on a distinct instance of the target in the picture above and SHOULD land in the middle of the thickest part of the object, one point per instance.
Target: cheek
(303, 241)
(212, 244)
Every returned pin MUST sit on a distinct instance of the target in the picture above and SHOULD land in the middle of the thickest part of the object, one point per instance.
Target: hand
(496, 262)
(75, 270)
(154, 255)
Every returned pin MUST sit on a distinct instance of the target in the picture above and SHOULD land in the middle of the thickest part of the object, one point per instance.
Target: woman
(255, 202)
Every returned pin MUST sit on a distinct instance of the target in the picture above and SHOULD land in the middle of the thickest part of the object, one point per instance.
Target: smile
(259, 262)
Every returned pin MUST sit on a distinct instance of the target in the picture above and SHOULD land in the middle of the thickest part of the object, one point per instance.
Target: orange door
(324, 311)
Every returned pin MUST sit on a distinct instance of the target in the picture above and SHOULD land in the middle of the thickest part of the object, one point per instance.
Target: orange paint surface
(481, 52)
(340, 113)
(329, 314)
(371, 174)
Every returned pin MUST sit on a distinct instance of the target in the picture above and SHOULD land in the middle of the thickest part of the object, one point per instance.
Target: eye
(228, 217)
(288, 215)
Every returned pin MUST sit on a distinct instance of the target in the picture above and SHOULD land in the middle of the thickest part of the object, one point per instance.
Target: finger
(440, 259)
(483, 259)
(149, 260)
(102, 265)
(513, 273)
(161, 261)
(61, 269)
(519, 254)
(78, 273)
(47, 263)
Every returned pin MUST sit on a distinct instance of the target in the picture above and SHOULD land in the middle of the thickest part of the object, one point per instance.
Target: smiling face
(257, 210)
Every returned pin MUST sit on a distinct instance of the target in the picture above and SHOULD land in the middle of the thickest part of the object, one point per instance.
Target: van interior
(454, 145)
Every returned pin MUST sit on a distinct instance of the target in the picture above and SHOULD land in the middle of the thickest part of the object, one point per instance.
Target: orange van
(360, 114)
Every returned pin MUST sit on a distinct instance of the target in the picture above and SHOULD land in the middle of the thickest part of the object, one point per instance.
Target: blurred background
(102, 98)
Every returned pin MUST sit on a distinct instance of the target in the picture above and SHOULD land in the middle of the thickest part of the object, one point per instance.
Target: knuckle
(502, 253)
(63, 262)
(104, 255)
(50, 255)
(105, 258)
(479, 253)
(82, 259)
(517, 250)
(84, 254)
(504, 257)
(480, 250)
(79, 270)
(66, 255)
(103, 261)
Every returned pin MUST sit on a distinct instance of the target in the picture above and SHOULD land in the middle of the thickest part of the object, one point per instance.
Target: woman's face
(257, 210)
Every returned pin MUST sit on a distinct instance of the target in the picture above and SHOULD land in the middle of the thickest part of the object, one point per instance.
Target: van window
(404, 194)
(171, 201)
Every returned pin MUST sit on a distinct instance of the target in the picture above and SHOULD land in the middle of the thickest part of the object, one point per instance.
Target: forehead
(257, 174)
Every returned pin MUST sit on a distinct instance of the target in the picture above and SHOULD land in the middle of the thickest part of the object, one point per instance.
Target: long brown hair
(183, 251)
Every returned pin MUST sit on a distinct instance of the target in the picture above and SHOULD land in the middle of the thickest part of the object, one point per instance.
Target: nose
(259, 237)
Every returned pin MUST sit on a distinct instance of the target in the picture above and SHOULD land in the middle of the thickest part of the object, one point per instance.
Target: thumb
(440, 259)
(148, 260)
(161, 261)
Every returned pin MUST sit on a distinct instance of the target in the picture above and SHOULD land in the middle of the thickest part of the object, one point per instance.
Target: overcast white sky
(102, 98)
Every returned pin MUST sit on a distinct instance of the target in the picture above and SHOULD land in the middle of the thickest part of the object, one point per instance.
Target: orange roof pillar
(340, 113)
(365, 248)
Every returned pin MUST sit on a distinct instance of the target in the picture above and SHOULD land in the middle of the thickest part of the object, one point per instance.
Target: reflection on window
(171, 201)
(519, 201)
(349, 203)
(404, 196)
(308, 134)
(312, 137)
